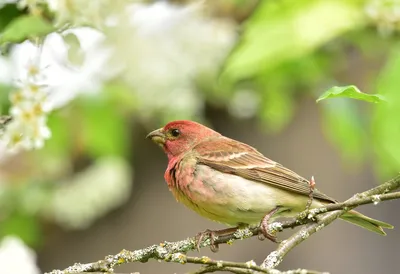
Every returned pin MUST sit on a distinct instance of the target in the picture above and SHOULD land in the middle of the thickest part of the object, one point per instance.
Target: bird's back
(230, 156)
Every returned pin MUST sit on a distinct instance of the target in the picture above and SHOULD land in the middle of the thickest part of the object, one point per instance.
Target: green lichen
(178, 258)
(272, 260)
(376, 199)
(243, 233)
(275, 227)
(304, 234)
(321, 226)
(205, 259)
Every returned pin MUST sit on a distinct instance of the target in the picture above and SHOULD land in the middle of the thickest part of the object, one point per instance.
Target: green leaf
(24, 27)
(280, 31)
(351, 92)
(7, 14)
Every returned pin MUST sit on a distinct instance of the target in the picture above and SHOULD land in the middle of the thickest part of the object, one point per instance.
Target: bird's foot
(210, 234)
(265, 233)
(213, 235)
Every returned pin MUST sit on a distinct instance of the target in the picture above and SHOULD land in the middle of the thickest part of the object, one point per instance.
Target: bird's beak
(157, 136)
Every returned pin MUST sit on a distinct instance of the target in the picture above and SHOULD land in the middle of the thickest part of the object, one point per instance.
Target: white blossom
(28, 129)
(16, 257)
(64, 80)
(45, 79)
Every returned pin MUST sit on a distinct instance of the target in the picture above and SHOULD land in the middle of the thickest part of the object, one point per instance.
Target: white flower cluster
(28, 129)
(166, 50)
(32, 100)
(16, 257)
(386, 14)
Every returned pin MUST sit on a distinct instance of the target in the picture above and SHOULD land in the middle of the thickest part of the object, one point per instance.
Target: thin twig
(212, 268)
(251, 265)
(361, 200)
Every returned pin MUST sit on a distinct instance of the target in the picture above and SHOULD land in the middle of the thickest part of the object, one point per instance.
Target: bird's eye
(175, 132)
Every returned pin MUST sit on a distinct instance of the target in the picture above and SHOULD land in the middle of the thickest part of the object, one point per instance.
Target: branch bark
(210, 269)
(175, 251)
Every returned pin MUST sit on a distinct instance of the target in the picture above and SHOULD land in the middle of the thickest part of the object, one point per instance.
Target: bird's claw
(213, 235)
(210, 234)
(264, 233)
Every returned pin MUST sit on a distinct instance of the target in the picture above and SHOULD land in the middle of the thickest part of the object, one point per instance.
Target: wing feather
(230, 156)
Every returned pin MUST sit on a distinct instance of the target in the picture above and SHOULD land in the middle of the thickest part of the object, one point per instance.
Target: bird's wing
(233, 157)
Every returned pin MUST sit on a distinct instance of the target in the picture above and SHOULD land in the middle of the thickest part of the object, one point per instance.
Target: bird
(232, 183)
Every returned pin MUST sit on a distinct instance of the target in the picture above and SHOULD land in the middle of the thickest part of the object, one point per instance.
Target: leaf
(351, 92)
(7, 14)
(280, 31)
(24, 27)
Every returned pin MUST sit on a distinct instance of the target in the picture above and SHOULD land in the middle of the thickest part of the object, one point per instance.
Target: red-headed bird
(232, 183)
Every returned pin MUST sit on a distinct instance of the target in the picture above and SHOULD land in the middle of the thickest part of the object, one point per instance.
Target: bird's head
(177, 137)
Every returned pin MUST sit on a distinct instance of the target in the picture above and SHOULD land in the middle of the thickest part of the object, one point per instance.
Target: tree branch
(212, 268)
(223, 265)
(361, 200)
(175, 251)
(374, 195)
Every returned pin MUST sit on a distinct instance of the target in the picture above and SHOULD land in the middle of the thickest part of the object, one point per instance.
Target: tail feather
(363, 221)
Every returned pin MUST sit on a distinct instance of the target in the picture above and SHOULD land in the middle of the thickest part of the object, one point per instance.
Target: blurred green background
(104, 73)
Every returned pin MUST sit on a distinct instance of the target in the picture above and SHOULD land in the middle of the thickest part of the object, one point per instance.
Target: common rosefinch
(232, 183)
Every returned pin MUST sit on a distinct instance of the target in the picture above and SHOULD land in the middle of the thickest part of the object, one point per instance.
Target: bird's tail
(363, 221)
